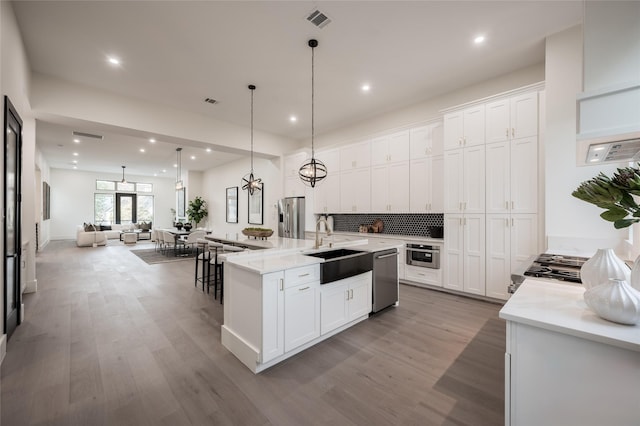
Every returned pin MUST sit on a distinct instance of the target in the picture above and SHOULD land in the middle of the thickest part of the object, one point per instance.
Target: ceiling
(177, 53)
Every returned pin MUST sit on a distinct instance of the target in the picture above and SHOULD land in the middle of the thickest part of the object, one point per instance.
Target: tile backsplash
(399, 224)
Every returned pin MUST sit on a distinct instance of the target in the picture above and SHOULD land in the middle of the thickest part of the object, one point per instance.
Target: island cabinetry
(301, 310)
(344, 301)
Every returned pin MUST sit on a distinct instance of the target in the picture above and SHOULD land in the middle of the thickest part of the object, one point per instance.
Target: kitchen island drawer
(305, 274)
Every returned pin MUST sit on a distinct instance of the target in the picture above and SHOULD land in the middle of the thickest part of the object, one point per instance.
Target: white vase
(602, 266)
(615, 301)
(635, 275)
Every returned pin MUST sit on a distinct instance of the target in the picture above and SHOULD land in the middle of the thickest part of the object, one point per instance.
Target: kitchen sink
(342, 263)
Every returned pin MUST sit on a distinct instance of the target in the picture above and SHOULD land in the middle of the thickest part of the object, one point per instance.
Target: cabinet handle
(303, 275)
(513, 205)
(513, 132)
(460, 221)
(304, 288)
(464, 221)
(460, 206)
(347, 292)
(507, 129)
(506, 205)
(281, 284)
(512, 222)
(506, 222)
(465, 205)
(464, 141)
(351, 291)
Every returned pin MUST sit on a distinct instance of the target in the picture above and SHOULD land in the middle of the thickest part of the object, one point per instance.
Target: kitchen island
(564, 364)
(276, 307)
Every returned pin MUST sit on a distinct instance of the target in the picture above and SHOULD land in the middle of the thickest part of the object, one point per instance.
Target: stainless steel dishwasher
(385, 279)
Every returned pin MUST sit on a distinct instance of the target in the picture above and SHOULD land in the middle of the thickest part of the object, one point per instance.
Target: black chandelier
(313, 171)
(249, 181)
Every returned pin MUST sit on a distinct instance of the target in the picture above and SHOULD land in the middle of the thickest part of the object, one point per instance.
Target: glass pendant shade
(314, 170)
(249, 181)
(179, 184)
(123, 179)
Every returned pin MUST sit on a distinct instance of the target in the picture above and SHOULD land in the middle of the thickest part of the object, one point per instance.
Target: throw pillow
(105, 227)
(88, 227)
(144, 226)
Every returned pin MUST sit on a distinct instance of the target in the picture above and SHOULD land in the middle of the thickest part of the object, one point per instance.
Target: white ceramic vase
(602, 266)
(615, 301)
(635, 274)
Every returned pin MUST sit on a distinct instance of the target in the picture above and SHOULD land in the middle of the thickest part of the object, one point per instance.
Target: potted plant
(197, 210)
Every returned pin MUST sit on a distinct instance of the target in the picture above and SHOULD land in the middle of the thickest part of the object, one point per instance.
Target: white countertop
(270, 243)
(561, 308)
(286, 253)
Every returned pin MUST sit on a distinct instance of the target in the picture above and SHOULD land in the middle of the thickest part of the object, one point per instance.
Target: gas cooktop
(557, 267)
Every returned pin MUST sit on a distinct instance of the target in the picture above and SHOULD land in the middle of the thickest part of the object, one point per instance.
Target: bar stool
(218, 268)
(203, 257)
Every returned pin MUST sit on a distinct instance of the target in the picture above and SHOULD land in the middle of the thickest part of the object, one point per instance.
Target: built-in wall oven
(424, 255)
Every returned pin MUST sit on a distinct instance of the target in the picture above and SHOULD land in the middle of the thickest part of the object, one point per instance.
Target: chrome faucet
(326, 224)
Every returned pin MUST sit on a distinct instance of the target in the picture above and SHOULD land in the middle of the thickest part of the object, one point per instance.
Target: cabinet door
(419, 186)
(398, 188)
(474, 175)
(498, 255)
(301, 315)
(453, 130)
(474, 253)
(497, 121)
(436, 179)
(524, 115)
(360, 297)
(453, 181)
(379, 189)
(436, 141)
(380, 150)
(272, 316)
(398, 149)
(452, 262)
(474, 126)
(418, 142)
(524, 238)
(333, 306)
(327, 195)
(292, 164)
(524, 175)
(362, 190)
(293, 187)
(331, 159)
(355, 156)
(498, 186)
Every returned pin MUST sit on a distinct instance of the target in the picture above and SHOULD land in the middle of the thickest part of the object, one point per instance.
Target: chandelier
(249, 181)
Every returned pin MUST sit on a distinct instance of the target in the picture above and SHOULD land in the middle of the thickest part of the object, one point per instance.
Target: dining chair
(169, 241)
(191, 239)
(218, 268)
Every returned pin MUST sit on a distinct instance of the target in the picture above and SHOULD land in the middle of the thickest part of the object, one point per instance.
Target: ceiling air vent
(87, 135)
(211, 101)
(318, 19)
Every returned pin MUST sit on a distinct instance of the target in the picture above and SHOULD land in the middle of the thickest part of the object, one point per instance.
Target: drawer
(423, 275)
(305, 274)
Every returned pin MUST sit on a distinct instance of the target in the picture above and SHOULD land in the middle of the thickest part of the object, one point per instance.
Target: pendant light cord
(252, 89)
(312, 99)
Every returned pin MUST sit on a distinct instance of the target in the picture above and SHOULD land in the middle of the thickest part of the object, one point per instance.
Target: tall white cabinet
(491, 193)
(426, 169)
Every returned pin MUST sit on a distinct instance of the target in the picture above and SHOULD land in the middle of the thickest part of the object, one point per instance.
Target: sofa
(88, 238)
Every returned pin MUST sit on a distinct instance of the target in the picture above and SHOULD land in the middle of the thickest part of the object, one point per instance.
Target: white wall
(217, 180)
(72, 197)
(569, 220)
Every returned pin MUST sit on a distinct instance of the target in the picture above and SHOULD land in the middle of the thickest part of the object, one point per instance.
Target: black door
(11, 216)
(126, 208)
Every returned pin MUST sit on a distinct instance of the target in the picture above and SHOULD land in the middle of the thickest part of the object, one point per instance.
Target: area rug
(151, 256)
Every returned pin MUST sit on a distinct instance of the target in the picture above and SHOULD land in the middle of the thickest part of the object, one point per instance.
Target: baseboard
(3, 347)
(32, 287)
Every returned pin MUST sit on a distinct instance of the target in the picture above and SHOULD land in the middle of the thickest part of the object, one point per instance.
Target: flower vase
(615, 301)
(602, 266)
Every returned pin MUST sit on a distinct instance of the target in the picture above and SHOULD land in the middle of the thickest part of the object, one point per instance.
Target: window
(126, 187)
(144, 187)
(105, 185)
(145, 208)
(103, 208)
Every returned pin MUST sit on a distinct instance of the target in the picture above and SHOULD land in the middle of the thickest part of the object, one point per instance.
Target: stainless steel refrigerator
(291, 217)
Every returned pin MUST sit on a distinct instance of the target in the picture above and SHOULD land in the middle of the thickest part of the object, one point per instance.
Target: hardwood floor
(108, 339)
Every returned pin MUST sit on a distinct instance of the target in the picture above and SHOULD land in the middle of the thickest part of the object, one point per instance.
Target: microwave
(426, 256)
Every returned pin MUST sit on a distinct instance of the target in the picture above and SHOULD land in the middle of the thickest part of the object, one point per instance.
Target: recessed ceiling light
(76, 140)
(479, 39)
(75, 167)
(365, 87)
(594, 160)
(293, 119)
(193, 157)
(164, 170)
(155, 174)
(75, 161)
(175, 166)
(208, 149)
(113, 60)
(75, 154)
(141, 149)
(152, 140)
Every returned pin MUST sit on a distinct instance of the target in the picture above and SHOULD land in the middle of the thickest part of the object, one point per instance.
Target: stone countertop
(383, 235)
(561, 308)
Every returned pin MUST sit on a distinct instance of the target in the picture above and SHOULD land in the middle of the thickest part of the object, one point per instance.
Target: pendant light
(179, 185)
(314, 170)
(249, 181)
(123, 179)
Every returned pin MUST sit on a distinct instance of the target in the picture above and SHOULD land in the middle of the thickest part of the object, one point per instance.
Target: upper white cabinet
(426, 185)
(426, 141)
(326, 194)
(464, 128)
(293, 186)
(355, 191)
(331, 159)
(390, 188)
(390, 149)
(355, 156)
(512, 118)
(464, 180)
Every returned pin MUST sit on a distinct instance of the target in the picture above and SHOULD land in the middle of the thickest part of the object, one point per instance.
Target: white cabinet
(391, 148)
(344, 301)
(293, 186)
(464, 179)
(355, 156)
(272, 315)
(426, 185)
(327, 194)
(426, 141)
(464, 128)
(355, 191)
(512, 176)
(390, 188)
(511, 239)
(512, 118)
(302, 314)
(331, 159)
(464, 254)
(420, 275)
